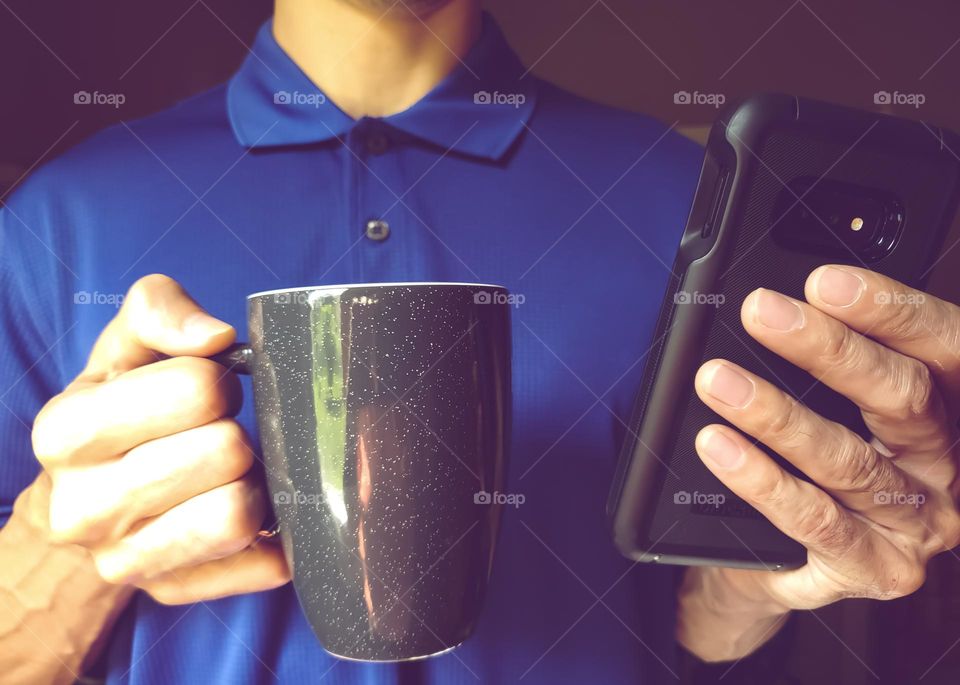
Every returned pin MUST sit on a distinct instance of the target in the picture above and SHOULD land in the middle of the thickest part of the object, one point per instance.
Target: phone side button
(717, 204)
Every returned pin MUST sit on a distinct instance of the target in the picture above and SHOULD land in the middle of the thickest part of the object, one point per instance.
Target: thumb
(157, 318)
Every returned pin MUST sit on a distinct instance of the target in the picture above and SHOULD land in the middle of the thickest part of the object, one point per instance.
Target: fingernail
(838, 287)
(730, 387)
(201, 327)
(721, 450)
(777, 312)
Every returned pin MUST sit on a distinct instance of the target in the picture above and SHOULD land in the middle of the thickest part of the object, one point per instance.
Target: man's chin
(400, 8)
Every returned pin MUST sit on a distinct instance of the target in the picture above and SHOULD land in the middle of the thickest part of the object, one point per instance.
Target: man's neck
(370, 63)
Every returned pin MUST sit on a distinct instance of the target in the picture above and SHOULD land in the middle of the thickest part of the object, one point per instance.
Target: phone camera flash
(856, 224)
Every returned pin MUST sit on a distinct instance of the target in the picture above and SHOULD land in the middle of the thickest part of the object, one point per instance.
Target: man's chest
(585, 276)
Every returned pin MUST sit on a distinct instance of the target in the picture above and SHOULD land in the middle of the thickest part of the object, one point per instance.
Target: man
(373, 141)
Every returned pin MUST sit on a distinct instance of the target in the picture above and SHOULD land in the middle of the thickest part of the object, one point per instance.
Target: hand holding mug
(149, 471)
(383, 409)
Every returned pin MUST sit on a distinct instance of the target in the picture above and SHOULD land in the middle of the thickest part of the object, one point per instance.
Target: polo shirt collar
(478, 109)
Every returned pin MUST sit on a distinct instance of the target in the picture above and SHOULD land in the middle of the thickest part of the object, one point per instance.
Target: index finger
(104, 420)
(902, 318)
(158, 317)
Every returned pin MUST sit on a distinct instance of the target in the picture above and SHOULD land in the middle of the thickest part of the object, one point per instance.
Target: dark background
(631, 53)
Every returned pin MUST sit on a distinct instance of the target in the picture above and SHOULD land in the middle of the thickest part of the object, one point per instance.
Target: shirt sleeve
(30, 361)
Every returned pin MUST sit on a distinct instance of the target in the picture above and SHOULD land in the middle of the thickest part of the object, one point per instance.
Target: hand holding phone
(872, 515)
(787, 186)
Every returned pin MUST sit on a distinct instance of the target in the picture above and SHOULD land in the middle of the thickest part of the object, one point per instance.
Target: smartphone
(787, 184)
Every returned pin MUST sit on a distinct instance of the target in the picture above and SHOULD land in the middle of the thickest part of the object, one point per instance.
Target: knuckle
(914, 392)
(112, 571)
(821, 523)
(951, 531)
(192, 375)
(944, 533)
(48, 433)
(854, 466)
(232, 542)
(904, 581)
(840, 349)
(146, 302)
(201, 382)
(113, 574)
(144, 290)
(228, 449)
(237, 525)
(61, 521)
(784, 422)
(71, 521)
(66, 529)
(230, 439)
(902, 321)
(63, 532)
(165, 592)
(70, 528)
(771, 490)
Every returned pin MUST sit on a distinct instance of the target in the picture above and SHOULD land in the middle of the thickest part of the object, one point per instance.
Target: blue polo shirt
(263, 183)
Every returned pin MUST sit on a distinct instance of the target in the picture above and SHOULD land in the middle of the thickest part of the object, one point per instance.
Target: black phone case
(660, 504)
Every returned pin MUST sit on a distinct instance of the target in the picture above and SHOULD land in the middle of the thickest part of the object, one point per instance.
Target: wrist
(725, 614)
(54, 590)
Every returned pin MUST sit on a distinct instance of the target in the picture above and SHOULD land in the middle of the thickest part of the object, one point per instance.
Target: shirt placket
(375, 209)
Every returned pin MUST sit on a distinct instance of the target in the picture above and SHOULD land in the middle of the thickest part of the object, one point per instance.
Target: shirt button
(378, 230)
(377, 143)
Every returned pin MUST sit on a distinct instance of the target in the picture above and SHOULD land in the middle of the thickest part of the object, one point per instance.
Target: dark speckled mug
(384, 415)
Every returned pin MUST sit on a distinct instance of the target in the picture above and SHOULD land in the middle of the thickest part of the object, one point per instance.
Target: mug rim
(348, 286)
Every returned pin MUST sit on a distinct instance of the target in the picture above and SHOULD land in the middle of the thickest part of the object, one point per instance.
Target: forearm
(720, 620)
(54, 607)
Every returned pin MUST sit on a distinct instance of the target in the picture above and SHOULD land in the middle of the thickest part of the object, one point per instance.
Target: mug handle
(237, 358)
